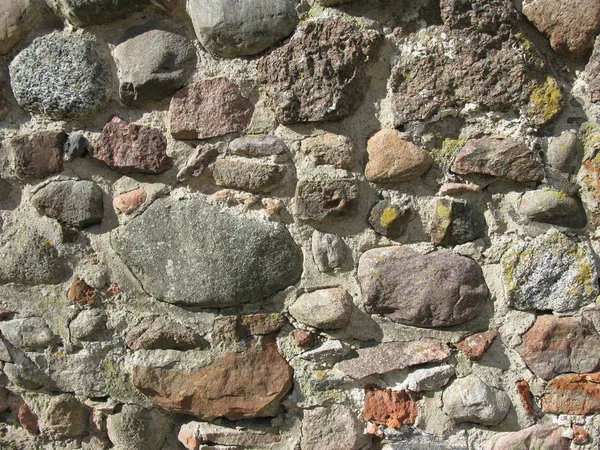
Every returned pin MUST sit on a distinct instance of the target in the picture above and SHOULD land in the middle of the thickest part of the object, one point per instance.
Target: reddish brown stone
(573, 394)
(208, 108)
(303, 339)
(236, 386)
(131, 148)
(525, 394)
(28, 419)
(388, 407)
(474, 346)
(82, 294)
(130, 201)
(37, 155)
(160, 332)
(232, 328)
(580, 435)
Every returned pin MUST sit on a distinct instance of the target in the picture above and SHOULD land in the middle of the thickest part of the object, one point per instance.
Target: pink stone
(130, 201)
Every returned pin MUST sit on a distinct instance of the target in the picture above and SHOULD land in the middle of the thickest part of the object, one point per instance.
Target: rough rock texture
(573, 394)
(455, 222)
(93, 12)
(592, 72)
(554, 207)
(247, 175)
(326, 353)
(59, 76)
(548, 437)
(524, 392)
(475, 346)
(333, 428)
(312, 79)
(14, 23)
(255, 146)
(329, 250)
(388, 407)
(136, 427)
(208, 433)
(88, 325)
(36, 155)
(65, 416)
(209, 108)
(31, 333)
(430, 379)
(249, 260)
(198, 162)
(329, 148)
(327, 309)
(162, 333)
(388, 219)
(437, 289)
(81, 293)
(325, 198)
(551, 272)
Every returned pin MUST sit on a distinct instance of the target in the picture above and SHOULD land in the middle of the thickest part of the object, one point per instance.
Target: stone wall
(299, 224)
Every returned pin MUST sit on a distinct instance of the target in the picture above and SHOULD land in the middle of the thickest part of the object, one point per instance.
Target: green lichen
(590, 137)
(444, 156)
(545, 101)
(388, 216)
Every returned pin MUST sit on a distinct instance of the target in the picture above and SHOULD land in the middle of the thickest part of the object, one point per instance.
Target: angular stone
(555, 345)
(391, 356)
(209, 108)
(81, 293)
(229, 329)
(88, 325)
(547, 437)
(389, 219)
(136, 427)
(430, 379)
(434, 290)
(389, 408)
(258, 145)
(469, 399)
(160, 332)
(236, 386)
(152, 64)
(303, 339)
(325, 198)
(329, 251)
(15, 23)
(229, 28)
(36, 155)
(28, 419)
(475, 346)
(333, 428)
(76, 146)
(580, 436)
(248, 259)
(563, 150)
(311, 79)
(573, 394)
(570, 25)
(82, 13)
(246, 175)
(59, 76)
(329, 351)
(592, 72)
(490, 16)
(327, 309)
(551, 272)
(524, 391)
(132, 148)
(553, 207)
(64, 417)
(130, 201)
(454, 222)
(332, 149)
(30, 334)
(499, 157)
(208, 433)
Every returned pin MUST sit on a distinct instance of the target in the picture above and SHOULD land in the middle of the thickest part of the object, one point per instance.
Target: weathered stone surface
(31, 333)
(332, 429)
(332, 149)
(229, 329)
(332, 2)
(469, 399)
(130, 201)
(455, 222)
(499, 157)
(160, 332)
(303, 339)
(258, 145)
(313, 79)
(328, 352)
(24, 373)
(524, 392)
(248, 261)
(389, 219)
(554, 207)
(28, 419)
(329, 250)
(570, 25)
(475, 346)
(75, 203)
(14, 23)
(551, 272)
(388, 407)
(592, 72)
(209, 108)
(59, 76)
(198, 433)
(89, 324)
(136, 427)
(393, 159)
(563, 151)
(81, 293)
(416, 441)
(132, 148)
(573, 394)
(555, 345)
(433, 290)
(65, 417)
(325, 197)
(488, 16)
(152, 64)
(580, 435)
(36, 155)
(327, 309)
(430, 379)
(246, 175)
(76, 146)
(547, 437)
(229, 28)
(391, 356)
(94, 12)
(4, 356)
(198, 162)
(236, 385)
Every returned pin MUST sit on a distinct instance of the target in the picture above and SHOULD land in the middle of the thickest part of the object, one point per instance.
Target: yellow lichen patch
(545, 102)
(590, 136)
(444, 155)
(388, 216)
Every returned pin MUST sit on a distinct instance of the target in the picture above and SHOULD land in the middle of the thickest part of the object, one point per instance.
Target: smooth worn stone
(555, 345)
(325, 198)
(236, 385)
(76, 146)
(65, 417)
(247, 175)
(328, 352)
(59, 76)
(160, 332)
(230, 28)
(524, 392)
(198, 162)
(88, 325)
(36, 155)
(15, 23)
(499, 157)
(81, 293)
(476, 345)
(152, 64)
(332, 149)
(329, 250)
(391, 356)
(130, 201)
(430, 379)
(543, 436)
(434, 290)
(326, 309)
(136, 427)
(573, 394)
(551, 272)
(592, 73)
(82, 13)
(249, 259)
(390, 220)
(570, 25)
(563, 151)
(209, 108)
(194, 434)
(312, 79)
(131, 148)
(258, 145)
(78, 204)
(30, 334)
(455, 222)
(388, 407)
(393, 159)
(469, 399)
(553, 207)
(28, 419)
(333, 428)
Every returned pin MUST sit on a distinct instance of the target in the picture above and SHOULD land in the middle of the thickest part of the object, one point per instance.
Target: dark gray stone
(76, 146)
(554, 207)
(264, 145)
(592, 72)
(95, 12)
(324, 198)
(214, 260)
(455, 222)
(388, 219)
(247, 175)
(329, 250)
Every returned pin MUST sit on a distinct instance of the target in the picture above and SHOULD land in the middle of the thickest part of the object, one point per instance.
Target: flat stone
(311, 79)
(332, 149)
(421, 442)
(553, 207)
(325, 198)
(160, 332)
(88, 325)
(555, 345)
(469, 399)
(207, 433)
(455, 222)
(136, 427)
(230, 329)
(82, 13)
(209, 108)
(389, 219)
(258, 145)
(429, 379)
(236, 386)
(547, 437)
(391, 356)
(247, 175)
(524, 392)
(198, 162)
(551, 272)
(81, 293)
(563, 151)
(249, 259)
(78, 204)
(573, 394)
(329, 250)
(569, 25)
(327, 309)
(327, 352)
(36, 155)
(59, 76)
(434, 290)
(388, 407)
(131, 148)
(130, 201)
(499, 157)
(30, 334)
(592, 72)
(476, 345)
(64, 417)
(333, 428)
(152, 64)
(15, 23)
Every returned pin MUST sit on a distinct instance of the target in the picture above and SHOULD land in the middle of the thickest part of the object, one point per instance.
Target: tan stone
(15, 23)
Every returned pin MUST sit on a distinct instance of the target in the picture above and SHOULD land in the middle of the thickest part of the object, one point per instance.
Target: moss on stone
(545, 101)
